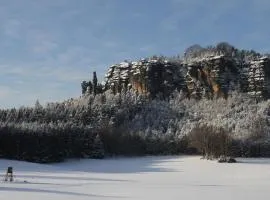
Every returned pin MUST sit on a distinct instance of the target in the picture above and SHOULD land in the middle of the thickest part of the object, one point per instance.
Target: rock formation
(209, 76)
(148, 76)
(259, 78)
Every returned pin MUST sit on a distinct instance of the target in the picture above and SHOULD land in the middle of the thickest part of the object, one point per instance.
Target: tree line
(100, 123)
(128, 124)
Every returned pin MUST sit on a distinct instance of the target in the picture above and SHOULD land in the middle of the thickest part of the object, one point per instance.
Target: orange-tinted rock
(149, 77)
(212, 76)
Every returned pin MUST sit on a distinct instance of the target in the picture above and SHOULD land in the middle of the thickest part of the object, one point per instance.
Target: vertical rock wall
(259, 78)
(148, 76)
(212, 76)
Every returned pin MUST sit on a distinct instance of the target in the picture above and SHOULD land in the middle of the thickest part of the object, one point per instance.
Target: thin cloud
(194, 14)
(6, 92)
(12, 28)
(48, 47)
(42, 42)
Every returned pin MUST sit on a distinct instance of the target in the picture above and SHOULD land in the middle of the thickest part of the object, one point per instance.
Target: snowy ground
(144, 178)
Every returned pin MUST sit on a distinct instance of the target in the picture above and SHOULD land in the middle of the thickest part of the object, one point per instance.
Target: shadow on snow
(123, 165)
(109, 165)
(13, 189)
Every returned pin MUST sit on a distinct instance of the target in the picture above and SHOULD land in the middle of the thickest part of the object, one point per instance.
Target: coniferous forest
(102, 123)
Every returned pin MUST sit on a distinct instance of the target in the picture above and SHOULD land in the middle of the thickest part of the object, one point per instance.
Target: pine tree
(84, 86)
(98, 148)
(90, 87)
(95, 81)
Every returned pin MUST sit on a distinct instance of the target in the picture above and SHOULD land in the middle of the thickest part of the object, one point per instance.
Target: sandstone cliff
(148, 76)
(211, 76)
(259, 78)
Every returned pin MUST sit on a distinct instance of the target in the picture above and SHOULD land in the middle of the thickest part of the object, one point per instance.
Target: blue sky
(47, 47)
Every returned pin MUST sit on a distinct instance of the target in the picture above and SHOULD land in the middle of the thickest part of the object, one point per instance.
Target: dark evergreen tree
(90, 87)
(95, 83)
(98, 148)
(84, 86)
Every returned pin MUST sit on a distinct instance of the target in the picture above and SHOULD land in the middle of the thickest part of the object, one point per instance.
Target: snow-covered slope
(139, 178)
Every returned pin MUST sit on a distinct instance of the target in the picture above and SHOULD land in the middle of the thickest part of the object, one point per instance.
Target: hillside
(154, 106)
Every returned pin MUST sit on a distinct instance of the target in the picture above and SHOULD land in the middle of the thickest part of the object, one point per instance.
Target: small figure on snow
(9, 174)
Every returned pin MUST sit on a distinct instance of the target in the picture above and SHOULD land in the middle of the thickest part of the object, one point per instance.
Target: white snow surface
(145, 178)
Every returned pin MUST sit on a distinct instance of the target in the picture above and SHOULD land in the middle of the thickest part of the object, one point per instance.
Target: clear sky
(47, 47)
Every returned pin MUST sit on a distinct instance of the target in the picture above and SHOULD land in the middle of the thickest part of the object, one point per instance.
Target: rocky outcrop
(259, 78)
(209, 76)
(148, 76)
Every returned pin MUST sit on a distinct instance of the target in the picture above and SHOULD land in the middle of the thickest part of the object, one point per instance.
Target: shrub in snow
(211, 141)
(231, 160)
(226, 160)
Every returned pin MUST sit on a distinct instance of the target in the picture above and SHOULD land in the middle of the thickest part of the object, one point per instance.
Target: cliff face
(259, 78)
(213, 76)
(150, 77)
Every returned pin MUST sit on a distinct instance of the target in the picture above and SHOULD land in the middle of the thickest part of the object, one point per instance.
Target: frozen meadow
(144, 178)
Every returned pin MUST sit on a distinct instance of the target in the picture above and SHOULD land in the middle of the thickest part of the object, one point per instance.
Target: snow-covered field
(146, 178)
